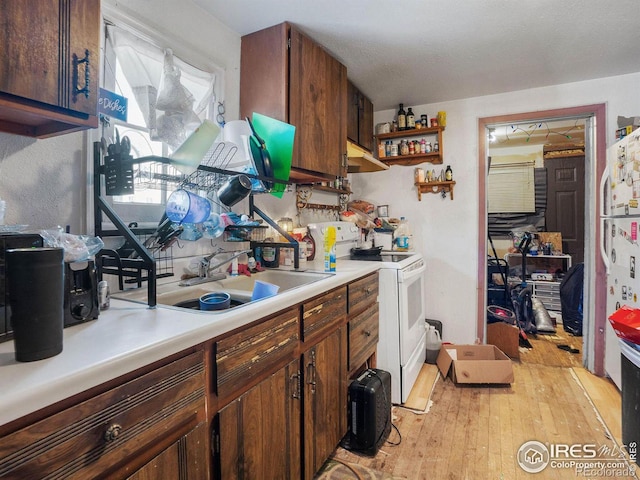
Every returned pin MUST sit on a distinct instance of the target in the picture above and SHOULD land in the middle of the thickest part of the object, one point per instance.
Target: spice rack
(441, 187)
(417, 158)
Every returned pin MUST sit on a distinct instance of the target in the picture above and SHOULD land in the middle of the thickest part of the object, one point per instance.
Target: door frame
(598, 153)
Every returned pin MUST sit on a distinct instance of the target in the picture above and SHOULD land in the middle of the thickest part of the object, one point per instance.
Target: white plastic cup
(263, 290)
(186, 207)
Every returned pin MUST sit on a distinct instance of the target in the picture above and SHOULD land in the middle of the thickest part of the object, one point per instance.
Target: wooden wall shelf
(435, 187)
(434, 157)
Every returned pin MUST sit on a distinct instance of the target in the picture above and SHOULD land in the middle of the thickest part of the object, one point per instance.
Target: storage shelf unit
(415, 159)
(540, 263)
(547, 291)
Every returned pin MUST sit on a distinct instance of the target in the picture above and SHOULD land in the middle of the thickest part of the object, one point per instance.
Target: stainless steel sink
(240, 288)
(285, 279)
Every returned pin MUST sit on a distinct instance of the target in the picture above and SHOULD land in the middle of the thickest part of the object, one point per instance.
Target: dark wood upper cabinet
(286, 75)
(359, 118)
(49, 66)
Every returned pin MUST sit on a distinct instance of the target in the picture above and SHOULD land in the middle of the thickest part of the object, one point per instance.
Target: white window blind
(511, 184)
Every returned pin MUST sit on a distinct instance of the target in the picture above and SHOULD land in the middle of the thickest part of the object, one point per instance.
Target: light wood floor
(475, 432)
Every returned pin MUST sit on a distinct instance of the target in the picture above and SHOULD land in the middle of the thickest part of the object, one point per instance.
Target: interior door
(565, 203)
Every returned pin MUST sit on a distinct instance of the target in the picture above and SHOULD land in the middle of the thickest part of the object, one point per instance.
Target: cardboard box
(475, 364)
(555, 238)
(504, 336)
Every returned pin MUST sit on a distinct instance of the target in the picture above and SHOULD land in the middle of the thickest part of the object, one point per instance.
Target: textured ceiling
(427, 51)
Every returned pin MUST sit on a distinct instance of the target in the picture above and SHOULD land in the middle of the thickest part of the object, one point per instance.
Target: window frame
(145, 213)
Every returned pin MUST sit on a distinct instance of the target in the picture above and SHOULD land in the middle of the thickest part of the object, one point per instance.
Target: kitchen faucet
(205, 268)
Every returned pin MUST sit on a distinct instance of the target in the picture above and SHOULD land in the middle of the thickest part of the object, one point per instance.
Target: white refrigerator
(620, 216)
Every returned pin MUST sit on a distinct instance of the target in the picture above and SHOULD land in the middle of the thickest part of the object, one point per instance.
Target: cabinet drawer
(244, 356)
(324, 314)
(363, 292)
(363, 336)
(551, 303)
(550, 287)
(98, 437)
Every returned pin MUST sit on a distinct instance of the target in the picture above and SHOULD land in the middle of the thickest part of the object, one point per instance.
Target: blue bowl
(215, 301)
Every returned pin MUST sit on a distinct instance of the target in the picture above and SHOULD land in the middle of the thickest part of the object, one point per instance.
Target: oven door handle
(408, 275)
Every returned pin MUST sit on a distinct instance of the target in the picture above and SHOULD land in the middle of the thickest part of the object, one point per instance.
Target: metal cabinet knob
(112, 432)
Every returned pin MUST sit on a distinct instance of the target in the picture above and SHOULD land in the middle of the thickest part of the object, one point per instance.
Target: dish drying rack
(122, 173)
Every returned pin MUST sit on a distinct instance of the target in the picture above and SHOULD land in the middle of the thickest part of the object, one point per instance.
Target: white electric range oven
(402, 345)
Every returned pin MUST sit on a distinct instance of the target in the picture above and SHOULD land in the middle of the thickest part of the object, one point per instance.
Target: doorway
(594, 296)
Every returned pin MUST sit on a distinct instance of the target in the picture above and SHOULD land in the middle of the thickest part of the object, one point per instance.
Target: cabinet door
(317, 106)
(83, 57)
(264, 67)
(184, 460)
(353, 112)
(365, 124)
(29, 59)
(258, 434)
(54, 51)
(359, 118)
(49, 68)
(325, 399)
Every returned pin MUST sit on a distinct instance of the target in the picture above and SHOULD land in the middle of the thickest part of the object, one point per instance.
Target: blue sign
(112, 105)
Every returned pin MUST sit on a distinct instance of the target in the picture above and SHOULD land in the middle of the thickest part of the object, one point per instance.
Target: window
(167, 100)
(511, 184)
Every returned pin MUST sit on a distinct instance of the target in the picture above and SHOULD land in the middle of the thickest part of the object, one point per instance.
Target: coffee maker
(80, 292)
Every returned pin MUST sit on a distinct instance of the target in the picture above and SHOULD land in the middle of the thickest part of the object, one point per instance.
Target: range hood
(359, 160)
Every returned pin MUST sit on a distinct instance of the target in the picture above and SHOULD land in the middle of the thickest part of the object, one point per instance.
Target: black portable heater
(369, 411)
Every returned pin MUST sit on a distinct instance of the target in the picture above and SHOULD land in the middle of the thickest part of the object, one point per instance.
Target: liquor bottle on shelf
(402, 118)
(448, 174)
(411, 119)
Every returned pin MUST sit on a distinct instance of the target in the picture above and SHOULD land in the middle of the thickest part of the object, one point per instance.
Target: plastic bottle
(310, 244)
(234, 267)
(330, 250)
(271, 257)
(434, 342)
(402, 235)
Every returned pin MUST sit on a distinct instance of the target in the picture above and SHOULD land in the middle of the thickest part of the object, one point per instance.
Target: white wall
(446, 231)
(44, 181)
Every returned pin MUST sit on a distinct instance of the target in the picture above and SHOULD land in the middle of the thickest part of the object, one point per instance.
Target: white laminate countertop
(130, 335)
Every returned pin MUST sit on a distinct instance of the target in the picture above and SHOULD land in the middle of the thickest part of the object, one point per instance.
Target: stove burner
(379, 258)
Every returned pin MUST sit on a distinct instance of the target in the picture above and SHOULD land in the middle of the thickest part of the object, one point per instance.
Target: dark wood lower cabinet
(114, 434)
(257, 436)
(325, 399)
(284, 404)
(184, 460)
